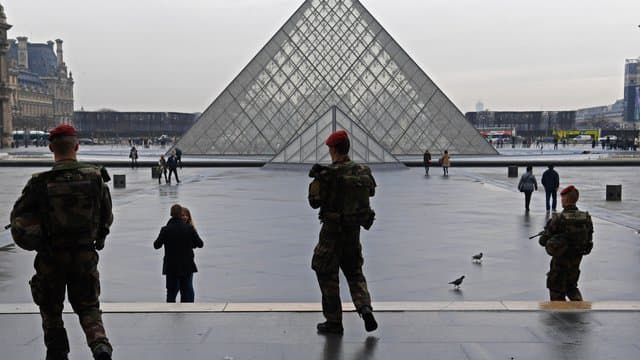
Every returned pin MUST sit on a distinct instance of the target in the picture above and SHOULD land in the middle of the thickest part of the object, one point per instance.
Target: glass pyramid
(309, 147)
(332, 53)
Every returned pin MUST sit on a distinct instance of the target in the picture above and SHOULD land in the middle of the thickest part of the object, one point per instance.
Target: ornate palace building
(5, 88)
(42, 87)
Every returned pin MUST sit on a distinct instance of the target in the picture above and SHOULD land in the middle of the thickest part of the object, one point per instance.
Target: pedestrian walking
(172, 164)
(445, 162)
(64, 214)
(162, 168)
(427, 162)
(341, 191)
(528, 185)
(179, 239)
(133, 155)
(551, 182)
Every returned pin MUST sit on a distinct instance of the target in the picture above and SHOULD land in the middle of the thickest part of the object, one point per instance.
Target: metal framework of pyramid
(309, 147)
(332, 53)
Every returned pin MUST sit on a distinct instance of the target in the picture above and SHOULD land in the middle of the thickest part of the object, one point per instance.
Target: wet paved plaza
(259, 235)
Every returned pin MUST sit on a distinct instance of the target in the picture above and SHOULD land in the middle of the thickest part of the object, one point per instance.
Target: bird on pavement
(477, 258)
(457, 282)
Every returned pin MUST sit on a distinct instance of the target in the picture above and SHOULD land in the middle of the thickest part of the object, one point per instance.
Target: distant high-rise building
(479, 106)
(632, 90)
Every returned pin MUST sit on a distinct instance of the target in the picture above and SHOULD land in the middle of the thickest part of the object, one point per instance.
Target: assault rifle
(536, 235)
(546, 227)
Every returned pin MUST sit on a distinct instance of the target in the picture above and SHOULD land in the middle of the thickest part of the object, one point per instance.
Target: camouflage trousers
(76, 271)
(340, 250)
(562, 278)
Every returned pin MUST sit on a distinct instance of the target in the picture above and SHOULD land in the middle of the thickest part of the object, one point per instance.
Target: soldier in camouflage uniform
(567, 238)
(65, 214)
(341, 191)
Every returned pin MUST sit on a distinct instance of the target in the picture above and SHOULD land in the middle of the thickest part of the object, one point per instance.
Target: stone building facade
(5, 87)
(42, 86)
(116, 124)
(526, 123)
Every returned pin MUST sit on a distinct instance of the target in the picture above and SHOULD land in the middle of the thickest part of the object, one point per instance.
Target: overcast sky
(161, 55)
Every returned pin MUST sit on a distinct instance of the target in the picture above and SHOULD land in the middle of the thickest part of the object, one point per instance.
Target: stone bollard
(155, 172)
(513, 171)
(614, 192)
(119, 181)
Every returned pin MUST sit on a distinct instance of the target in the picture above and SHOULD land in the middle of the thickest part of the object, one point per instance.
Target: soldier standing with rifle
(64, 214)
(341, 191)
(567, 238)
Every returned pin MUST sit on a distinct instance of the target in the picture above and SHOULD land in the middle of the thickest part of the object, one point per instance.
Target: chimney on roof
(59, 52)
(23, 53)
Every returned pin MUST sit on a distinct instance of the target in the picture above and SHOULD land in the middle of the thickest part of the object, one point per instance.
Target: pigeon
(457, 282)
(477, 258)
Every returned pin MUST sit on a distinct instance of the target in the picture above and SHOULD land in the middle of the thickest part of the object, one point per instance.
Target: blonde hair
(189, 218)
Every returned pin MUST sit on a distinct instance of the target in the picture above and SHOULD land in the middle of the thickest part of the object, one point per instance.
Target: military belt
(79, 247)
(331, 217)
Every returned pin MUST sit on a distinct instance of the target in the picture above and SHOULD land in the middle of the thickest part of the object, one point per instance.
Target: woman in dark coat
(179, 239)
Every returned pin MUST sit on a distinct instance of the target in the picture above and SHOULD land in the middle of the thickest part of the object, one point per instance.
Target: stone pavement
(480, 335)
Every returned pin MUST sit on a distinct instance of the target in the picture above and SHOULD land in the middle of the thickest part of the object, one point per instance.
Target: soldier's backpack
(578, 227)
(26, 224)
(72, 205)
(350, 187)
(556, 245)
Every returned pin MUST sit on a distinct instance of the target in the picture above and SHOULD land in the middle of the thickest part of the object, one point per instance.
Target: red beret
(568, 189)
(337, 137)
(62, 130)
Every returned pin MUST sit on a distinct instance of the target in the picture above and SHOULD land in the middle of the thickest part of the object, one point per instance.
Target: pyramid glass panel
(309, 146)
(332, 53)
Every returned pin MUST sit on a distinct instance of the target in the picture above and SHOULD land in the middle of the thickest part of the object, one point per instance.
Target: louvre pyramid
(332, 53)
(309, 146)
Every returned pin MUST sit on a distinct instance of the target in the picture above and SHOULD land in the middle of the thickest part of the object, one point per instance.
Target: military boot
(370, 323)
(330, 328)
(56, 355)
(574, 295)
(557, 296)
(101, 351)
(57, 343)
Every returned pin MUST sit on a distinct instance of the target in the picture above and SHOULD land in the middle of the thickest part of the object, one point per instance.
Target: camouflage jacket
(342, 191)
(572, 229)
(38, 213)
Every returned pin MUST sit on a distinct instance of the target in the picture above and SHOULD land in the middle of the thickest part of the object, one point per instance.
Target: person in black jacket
(179, 240)
(427, 161)
(551, 182)
(172, 164)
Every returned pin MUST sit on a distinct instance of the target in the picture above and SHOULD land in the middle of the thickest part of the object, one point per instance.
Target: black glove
(316, 170)
(100, 244)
